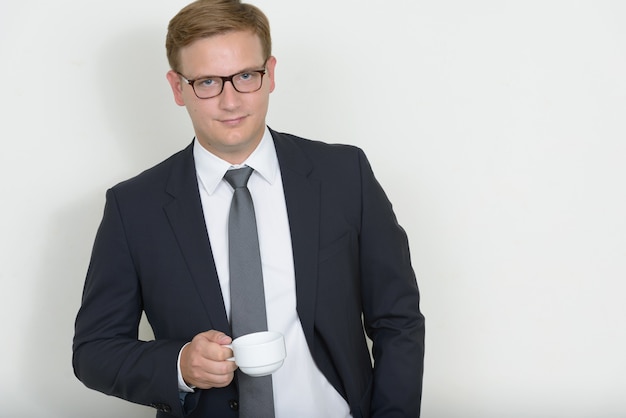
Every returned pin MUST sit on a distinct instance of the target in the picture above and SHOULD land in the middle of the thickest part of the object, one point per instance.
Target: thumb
(217, 337)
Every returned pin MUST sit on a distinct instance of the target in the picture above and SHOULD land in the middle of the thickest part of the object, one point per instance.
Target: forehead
(222, 54)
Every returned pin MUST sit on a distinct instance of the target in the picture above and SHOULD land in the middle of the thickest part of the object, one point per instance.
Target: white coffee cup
(260, 353)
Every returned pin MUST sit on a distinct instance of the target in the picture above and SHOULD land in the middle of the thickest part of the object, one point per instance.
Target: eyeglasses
(244, 82)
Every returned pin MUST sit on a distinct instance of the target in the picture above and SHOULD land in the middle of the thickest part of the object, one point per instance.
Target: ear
(177, 87)
(271, 66)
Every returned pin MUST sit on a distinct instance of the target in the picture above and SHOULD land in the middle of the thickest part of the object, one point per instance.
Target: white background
(497, 128)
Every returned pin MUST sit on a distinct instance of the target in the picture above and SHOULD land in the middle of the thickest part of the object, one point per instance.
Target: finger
(217, 337)
(212, 345)
(214, 374)
(209, 344)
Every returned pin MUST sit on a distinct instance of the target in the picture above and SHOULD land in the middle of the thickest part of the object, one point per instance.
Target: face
(230, 125)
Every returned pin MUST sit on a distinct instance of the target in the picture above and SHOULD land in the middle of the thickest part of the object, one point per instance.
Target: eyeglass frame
(224, 80)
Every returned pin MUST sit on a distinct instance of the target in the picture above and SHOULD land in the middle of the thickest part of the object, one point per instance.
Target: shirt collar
(210, 169)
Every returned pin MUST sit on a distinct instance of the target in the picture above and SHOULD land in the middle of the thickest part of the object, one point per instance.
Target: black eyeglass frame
(224, 80)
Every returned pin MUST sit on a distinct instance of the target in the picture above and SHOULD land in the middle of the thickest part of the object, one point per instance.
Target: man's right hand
(203, 362)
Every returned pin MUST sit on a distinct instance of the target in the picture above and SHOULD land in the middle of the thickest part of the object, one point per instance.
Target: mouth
(233, 121)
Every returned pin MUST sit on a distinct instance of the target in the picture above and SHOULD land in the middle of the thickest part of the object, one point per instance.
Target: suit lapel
(187, 220)
(302, 196)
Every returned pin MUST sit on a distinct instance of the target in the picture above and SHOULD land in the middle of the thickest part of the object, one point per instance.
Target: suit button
(234, 405)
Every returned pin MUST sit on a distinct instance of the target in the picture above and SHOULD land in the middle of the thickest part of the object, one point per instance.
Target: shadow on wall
(146, 126)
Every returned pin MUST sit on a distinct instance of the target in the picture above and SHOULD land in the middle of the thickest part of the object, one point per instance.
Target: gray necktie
(247, 297)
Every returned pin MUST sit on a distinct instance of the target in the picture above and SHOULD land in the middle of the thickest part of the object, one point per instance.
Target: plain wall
(496, 127)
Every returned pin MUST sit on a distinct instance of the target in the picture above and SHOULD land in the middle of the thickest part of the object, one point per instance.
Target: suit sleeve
(107, 354)
(392, 316)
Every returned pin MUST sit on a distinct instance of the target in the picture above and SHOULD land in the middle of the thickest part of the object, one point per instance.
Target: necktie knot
(238, 177)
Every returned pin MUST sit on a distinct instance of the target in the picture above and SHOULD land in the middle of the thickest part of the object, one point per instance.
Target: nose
(230, 98)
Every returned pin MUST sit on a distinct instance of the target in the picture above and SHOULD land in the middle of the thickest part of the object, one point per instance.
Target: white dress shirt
(300, 389)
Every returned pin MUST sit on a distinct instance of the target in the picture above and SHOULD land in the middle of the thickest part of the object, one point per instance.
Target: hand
(203, 362)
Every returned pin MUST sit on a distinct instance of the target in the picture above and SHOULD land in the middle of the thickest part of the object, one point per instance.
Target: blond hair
(205, 18)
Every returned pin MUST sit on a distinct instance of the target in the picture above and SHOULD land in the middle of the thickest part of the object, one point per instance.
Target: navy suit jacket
(352, 267)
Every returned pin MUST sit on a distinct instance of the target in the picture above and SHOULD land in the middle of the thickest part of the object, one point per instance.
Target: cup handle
(231, 347)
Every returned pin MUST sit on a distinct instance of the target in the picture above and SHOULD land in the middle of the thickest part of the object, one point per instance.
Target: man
(334, 260)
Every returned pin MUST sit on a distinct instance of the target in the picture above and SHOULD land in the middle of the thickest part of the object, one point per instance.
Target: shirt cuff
(182, 386)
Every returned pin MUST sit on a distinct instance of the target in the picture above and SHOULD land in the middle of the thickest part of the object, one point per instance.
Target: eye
(206, 82)
(246, 76)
